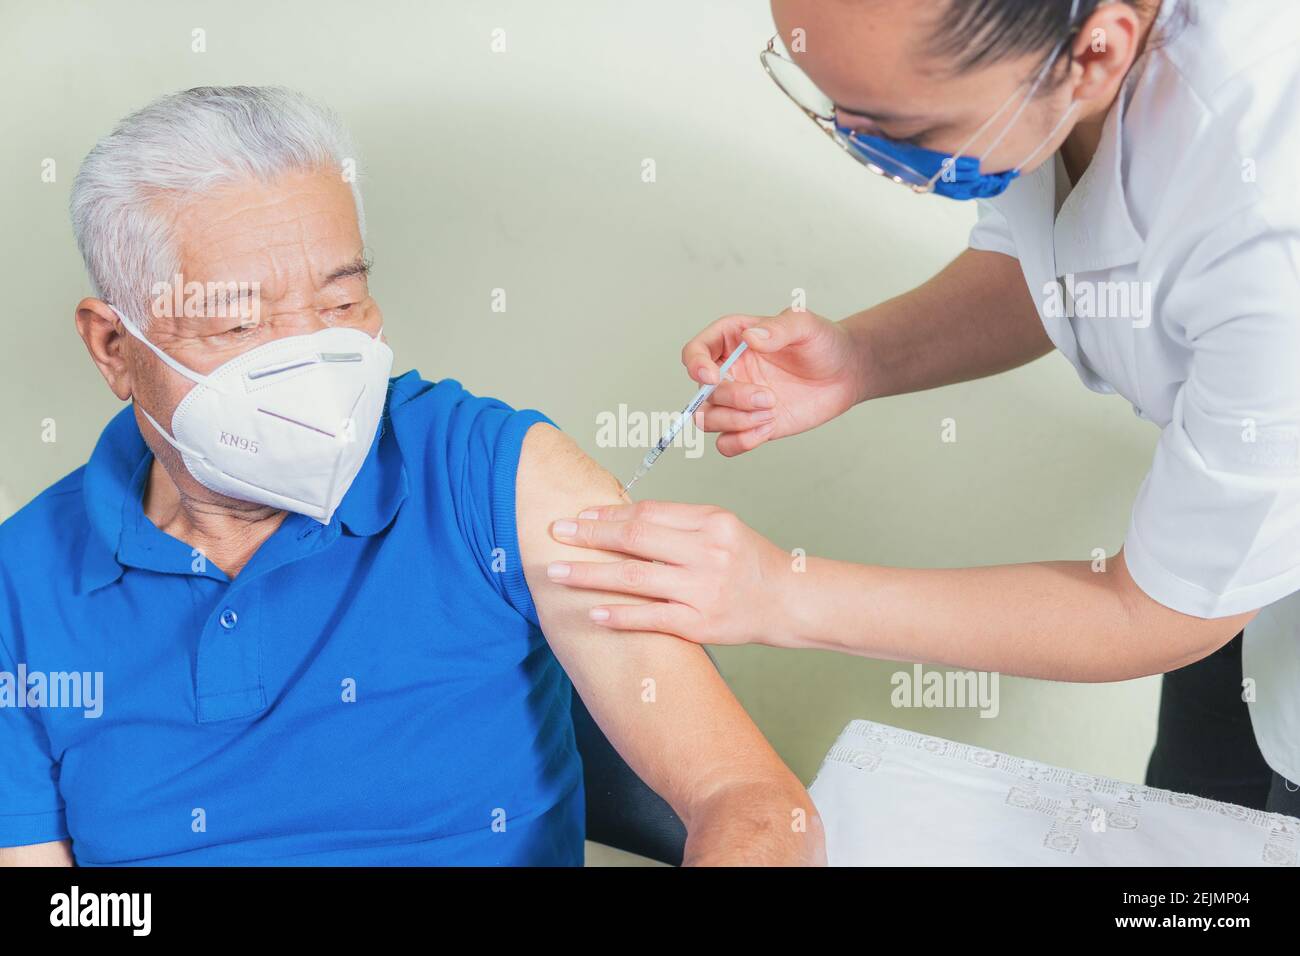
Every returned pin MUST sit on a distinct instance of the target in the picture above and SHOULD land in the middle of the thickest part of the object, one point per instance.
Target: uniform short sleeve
(1215, 529)
(991, 232)
(31, 808)
(472, 462)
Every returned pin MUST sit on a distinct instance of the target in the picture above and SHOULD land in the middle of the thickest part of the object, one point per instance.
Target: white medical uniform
(1170, 274)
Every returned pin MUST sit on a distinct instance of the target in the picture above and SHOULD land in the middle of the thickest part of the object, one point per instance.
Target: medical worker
(1135, 166)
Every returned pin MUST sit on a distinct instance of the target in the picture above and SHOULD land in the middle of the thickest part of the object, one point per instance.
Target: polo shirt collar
(108, 476)
(379, 489)
(113, 486)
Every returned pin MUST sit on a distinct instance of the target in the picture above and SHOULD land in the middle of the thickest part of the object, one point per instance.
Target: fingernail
(557, 570)
(599, 614)
(764, 399)
(760, 333)
(588, 515)
(766, 430)
(565, 529)
(760, 417)
(702, 374)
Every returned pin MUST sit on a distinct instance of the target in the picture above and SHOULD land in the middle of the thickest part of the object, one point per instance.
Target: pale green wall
(522, 170)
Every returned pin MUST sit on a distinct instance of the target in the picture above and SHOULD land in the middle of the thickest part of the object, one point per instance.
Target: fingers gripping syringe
(682, 418)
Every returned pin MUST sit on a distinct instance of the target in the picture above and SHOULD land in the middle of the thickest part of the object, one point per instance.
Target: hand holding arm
(717, 581)
(659, 700)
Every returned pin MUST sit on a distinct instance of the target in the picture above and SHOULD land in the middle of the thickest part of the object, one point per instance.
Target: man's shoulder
(47, 527)
(412, 396)
(444, 420)
(464, 458)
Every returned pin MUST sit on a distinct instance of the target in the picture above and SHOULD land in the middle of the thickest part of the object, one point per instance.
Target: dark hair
(975, 33)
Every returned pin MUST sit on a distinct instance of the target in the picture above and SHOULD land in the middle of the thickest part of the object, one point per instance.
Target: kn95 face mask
(287, 424)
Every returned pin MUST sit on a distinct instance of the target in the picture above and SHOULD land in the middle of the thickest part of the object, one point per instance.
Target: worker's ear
(105, 340)
(1103, 50)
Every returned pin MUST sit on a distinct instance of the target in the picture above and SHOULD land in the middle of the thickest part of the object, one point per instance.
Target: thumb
(780, 331)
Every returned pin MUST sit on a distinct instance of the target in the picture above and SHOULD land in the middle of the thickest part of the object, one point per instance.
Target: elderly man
(318, 596)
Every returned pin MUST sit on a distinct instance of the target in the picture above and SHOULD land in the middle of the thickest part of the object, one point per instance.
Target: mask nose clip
(268, 370)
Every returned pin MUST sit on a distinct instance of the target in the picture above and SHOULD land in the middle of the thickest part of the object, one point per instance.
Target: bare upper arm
(38, 854)
(1190, 638)
(658, 698)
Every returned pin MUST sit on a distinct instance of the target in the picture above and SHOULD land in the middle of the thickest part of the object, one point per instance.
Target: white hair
(175, 149)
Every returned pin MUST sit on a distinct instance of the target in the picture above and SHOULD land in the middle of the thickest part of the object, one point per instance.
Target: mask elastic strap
(961, 150)
(1042, 74)
(180, 369)
(176, 366)
(1059, 124)
(171, 441)
(1024, 103)
(1051, 60)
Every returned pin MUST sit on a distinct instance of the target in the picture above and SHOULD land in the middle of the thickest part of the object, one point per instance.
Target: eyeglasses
(794, 83)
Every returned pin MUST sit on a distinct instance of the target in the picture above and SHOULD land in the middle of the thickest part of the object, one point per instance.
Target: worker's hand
(717, 580)
(799, 371)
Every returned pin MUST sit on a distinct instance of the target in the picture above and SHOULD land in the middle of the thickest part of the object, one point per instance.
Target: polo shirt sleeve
(1215, 529)
(31, 808)
(478, 441)
(991, 233)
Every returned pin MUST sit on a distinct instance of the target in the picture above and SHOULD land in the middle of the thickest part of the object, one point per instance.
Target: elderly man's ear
(105, 340)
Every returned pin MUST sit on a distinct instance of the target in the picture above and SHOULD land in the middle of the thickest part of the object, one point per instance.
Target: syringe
(682, 418)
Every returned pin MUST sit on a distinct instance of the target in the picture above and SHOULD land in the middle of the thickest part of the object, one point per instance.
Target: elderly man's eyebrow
(360, 266)
(219, 297)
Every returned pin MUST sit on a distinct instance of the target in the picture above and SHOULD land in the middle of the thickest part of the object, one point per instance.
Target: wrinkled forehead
(289, 235)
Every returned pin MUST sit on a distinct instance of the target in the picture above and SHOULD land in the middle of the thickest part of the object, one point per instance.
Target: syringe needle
(685, 415)
(641, 471)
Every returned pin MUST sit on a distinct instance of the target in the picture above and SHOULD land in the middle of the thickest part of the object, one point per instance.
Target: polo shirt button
(229, 619)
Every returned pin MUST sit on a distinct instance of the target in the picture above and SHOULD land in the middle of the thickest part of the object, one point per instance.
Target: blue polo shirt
(372, 691)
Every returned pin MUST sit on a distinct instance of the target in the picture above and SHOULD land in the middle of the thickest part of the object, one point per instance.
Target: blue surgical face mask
(954, 174)
(955, 177)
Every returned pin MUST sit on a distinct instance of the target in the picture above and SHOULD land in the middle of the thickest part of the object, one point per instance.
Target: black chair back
(622, 811)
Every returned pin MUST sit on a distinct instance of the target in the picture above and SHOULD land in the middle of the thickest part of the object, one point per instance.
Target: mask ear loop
(1059, 123)
(1074, 7)
(180, 369)
(961, 150)
(175, 366)
(1024, 103)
